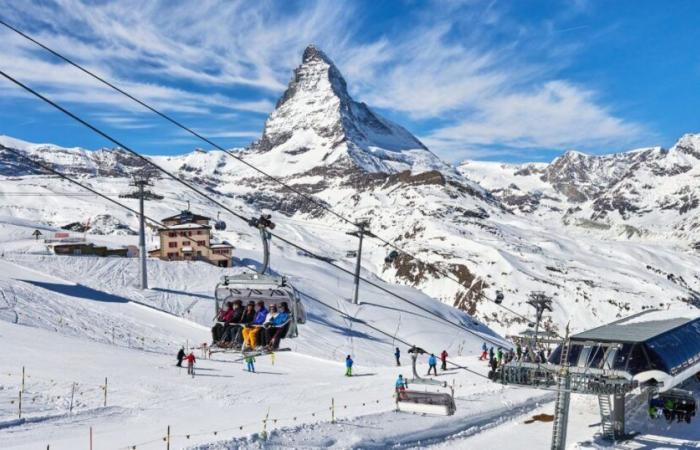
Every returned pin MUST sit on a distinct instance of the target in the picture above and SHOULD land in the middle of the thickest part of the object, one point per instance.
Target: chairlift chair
(219, 225)
(270, 289)
(499, 297)
(266, 288)
(425, 402)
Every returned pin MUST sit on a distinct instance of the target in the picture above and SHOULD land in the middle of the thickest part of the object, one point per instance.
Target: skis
(262, 352)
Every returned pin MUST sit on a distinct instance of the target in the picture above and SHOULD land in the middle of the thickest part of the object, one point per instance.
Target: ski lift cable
(93, 191)
(307, 197)
(236, 214)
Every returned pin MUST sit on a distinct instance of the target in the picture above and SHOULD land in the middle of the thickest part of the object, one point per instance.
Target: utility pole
(140, 182)
(541, 303)
(360, 234)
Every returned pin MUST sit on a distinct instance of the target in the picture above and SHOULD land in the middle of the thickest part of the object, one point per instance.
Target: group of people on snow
(189, 357)
(670, 409)
(499, 357)
(250, 326)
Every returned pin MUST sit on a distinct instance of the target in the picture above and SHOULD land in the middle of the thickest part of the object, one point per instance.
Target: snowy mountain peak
(311, 52)
(317, 123)
(688, 144)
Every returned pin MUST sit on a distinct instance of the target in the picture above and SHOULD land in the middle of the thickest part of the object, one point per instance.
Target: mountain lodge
(187, 237)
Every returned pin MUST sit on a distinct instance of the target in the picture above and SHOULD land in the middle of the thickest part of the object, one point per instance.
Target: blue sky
(494, 80)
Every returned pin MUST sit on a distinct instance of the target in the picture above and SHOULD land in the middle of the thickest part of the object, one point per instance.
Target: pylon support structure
(360, 233)
(141, 183)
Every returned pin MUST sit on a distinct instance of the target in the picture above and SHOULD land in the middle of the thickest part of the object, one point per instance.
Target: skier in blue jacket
(432, 364)
(348, 366)
(400, 387)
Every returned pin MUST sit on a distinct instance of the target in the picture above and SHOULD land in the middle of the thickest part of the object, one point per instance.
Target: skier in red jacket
(443, 358)
(190, 364)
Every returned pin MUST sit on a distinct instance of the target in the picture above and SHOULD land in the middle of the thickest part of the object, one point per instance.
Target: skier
(519, 351)
(397, 354)
(250, 363)
(190, 364)
(180, 356)
(491, 354)
(432, 364)
(443, 359)
(499, 356)
(348, 366)
(484, 351)
(400, 388)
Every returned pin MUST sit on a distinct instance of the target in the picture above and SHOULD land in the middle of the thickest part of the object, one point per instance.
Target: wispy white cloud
(466, 74)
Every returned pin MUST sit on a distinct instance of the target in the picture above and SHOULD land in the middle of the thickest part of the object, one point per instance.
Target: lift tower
(360, 233)
(141, 181)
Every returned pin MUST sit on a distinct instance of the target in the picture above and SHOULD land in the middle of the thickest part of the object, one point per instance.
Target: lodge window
(172, 244)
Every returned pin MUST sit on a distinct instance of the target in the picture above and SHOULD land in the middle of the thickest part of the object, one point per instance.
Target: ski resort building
(655, 346)
(87, 249)
(187, 237)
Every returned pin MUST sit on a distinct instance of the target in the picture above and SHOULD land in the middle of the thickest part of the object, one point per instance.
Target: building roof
(221, 245)
(186, 226)
(637, 328)
(186, 216)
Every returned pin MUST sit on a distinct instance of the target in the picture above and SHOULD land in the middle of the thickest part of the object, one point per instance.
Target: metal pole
(167, 439)
(90, 438)
(22, 378)
(142, 238)
(20, 404)
(361, 233)
(72, 394)
(105, 392)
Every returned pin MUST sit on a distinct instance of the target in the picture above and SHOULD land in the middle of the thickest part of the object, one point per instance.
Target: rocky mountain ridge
(650, 193)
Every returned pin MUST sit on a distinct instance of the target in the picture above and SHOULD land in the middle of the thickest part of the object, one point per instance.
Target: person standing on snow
(348, 366)
(519, 351)
(400, 387)
(499, 356)
(250, 363)
(443, 360)
(397, 354)
(180, 356)
(190, 364)
(432, 364)
(484, 352)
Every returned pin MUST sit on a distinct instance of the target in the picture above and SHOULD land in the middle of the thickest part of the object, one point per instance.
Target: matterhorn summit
(317, 123)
